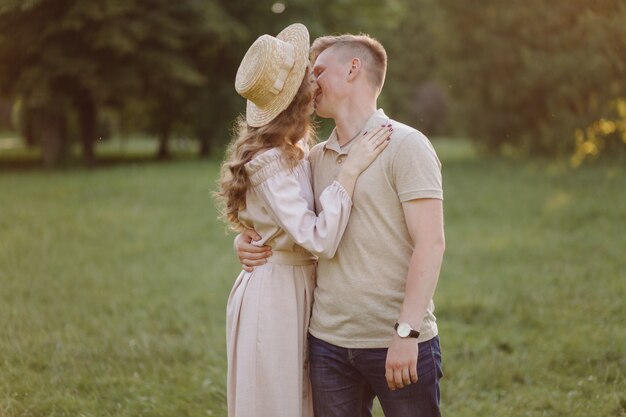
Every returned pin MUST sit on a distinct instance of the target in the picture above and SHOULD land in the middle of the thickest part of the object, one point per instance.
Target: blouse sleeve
(280, 189)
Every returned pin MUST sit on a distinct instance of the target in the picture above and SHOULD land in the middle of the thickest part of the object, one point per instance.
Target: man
(372, 331)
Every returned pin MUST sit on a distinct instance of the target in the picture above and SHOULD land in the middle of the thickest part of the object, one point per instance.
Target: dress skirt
(268, 315)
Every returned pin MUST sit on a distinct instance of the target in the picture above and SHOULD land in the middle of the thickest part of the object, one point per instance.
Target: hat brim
(298, 36)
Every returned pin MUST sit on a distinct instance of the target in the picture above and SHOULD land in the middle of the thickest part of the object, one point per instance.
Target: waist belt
(281, 257)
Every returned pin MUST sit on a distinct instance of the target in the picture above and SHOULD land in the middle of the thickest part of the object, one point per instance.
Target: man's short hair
(371, 53)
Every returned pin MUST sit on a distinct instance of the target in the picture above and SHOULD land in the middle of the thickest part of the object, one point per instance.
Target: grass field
(113, 284)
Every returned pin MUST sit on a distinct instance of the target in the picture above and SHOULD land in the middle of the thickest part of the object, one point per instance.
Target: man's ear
(355, 68)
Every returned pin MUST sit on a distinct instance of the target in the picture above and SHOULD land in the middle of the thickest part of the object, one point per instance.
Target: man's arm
(424, 219)
(250, 255)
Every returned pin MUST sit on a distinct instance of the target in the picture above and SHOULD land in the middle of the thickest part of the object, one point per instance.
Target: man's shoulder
(402, 131)
(407, 136)
(407, 140)
(317, 150)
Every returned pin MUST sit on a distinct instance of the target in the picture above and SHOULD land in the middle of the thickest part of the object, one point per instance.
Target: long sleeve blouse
(280, 207)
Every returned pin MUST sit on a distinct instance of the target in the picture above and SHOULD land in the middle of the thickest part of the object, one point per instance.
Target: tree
(168, 65)
(530, 74)
(5, 114)
(80, 56)
(412, 92)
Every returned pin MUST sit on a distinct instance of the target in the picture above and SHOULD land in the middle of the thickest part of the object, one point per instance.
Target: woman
(266, 185)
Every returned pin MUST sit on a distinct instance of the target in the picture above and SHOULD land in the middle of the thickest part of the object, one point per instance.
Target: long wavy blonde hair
(284, 132)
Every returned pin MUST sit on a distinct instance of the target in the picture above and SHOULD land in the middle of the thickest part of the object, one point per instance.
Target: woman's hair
(284, 132)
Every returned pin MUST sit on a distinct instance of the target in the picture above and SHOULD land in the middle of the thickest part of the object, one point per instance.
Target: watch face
(404, 330)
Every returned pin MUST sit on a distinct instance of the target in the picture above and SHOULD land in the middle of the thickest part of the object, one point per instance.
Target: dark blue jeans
(345, 382)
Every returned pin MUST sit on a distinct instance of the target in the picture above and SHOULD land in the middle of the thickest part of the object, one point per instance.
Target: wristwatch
(404, 330)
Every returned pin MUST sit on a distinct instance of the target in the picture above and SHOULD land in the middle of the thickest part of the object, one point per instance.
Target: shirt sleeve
(320, 234)
(416, 169)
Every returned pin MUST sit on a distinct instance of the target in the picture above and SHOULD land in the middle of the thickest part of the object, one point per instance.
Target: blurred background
(530, 78)
(114, 267)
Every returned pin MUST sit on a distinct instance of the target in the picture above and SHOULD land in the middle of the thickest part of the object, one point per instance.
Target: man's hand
(249, 254)
(401, 364)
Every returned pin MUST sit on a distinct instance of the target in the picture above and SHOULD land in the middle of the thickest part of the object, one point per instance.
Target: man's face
(331, 75)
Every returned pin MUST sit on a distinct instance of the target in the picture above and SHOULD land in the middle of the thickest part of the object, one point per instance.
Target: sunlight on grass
(10, 143)
(558, 201)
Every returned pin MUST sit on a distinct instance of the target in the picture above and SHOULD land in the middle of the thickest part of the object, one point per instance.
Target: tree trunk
(28, 128)
(5, 114)
(164, 139)
(87, 115)
(205, 147)
(53, 138)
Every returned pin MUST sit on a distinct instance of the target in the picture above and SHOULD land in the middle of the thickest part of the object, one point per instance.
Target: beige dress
(268, 309)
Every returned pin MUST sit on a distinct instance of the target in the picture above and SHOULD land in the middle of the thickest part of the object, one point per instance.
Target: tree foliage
(544, 78)
(165, 66)
(412, 92)
(78, 56)
(528, 75)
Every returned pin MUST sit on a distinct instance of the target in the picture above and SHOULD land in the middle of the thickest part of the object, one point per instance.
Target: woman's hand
(363, 152)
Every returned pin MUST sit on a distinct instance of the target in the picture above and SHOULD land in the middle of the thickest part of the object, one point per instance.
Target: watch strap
(412, 333)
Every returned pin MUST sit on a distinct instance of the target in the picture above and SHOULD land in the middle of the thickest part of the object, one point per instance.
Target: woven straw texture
(261, 65)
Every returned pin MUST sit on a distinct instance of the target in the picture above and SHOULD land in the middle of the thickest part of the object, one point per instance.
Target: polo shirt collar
(378, 118)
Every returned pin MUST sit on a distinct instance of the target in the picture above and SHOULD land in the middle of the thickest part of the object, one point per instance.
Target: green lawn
(113, 284)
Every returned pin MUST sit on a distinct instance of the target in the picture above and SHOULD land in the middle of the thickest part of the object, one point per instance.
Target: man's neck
(351, 121)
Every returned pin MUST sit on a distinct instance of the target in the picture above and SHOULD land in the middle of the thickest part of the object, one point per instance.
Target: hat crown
(264, 69)
(271, 73)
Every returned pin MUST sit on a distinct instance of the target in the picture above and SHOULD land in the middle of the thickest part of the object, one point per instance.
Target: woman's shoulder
(262, 159)
(274, 156)
(265, 165)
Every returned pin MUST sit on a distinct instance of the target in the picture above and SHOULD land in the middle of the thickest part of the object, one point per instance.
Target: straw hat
(271, 72)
